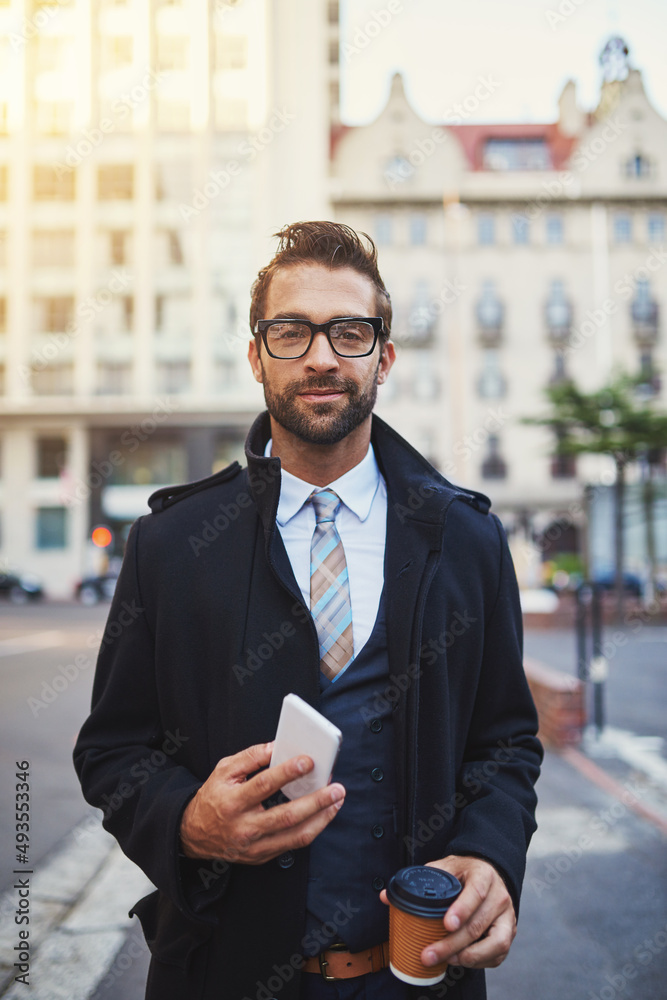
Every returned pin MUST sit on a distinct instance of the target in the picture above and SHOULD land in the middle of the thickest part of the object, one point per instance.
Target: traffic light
(101, 536)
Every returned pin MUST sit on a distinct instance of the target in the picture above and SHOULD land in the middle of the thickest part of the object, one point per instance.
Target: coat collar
(416, 491)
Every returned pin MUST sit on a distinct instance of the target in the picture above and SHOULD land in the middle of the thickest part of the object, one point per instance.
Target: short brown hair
(328, 243)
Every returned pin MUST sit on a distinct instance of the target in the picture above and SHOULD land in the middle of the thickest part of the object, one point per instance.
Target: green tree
(620, 420)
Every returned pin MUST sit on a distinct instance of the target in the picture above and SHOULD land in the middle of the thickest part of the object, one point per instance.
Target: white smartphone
(304, 730)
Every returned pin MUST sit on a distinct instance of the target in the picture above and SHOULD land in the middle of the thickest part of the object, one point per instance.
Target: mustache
(324, 385)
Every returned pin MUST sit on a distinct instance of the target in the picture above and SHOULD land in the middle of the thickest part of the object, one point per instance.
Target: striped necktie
(329, 587)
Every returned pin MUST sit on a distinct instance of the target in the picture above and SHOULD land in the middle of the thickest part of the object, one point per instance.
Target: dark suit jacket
(191, 669)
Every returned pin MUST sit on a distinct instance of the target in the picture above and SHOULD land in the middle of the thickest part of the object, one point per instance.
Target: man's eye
(285, 332)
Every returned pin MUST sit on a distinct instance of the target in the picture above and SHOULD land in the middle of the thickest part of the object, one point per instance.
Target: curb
(79, 898)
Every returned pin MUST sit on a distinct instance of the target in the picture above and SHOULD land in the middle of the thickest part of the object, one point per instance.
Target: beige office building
(516, 255)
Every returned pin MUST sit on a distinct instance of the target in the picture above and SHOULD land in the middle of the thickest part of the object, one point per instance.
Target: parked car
(19, 588)
(93, 589)
(631, 582)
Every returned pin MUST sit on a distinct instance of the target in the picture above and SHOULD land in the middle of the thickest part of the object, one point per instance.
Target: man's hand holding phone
(226, 819)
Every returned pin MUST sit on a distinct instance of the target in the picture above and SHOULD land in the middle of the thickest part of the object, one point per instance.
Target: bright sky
(443, 47)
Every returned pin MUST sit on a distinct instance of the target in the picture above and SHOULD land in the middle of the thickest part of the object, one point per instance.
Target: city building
(148, 149)
(517, 255)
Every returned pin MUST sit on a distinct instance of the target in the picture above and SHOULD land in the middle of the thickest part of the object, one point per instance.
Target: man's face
(320, 398)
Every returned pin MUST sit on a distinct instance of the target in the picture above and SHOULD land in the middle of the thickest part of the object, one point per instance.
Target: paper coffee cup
(418, 898)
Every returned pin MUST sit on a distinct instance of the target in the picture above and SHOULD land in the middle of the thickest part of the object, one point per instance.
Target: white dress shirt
(362, 525)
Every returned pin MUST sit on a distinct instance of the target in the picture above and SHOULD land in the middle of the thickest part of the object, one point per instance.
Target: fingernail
(454, 922)
(431, 958)
(337, 795)
(303, 764)
(453, 960)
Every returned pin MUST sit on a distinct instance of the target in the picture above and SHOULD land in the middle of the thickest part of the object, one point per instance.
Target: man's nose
(321, 355)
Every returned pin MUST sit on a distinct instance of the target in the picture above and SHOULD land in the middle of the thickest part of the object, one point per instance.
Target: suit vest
(357, 853)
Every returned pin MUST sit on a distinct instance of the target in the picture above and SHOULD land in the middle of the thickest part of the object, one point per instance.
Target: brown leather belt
(339, 963)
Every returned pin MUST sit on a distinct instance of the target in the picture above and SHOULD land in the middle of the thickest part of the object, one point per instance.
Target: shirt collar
(356, 488)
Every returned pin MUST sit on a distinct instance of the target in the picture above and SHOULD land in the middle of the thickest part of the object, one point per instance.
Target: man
(340, 566)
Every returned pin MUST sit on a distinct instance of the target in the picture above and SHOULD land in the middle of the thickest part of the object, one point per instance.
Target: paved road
(46, 696)
(594, 921)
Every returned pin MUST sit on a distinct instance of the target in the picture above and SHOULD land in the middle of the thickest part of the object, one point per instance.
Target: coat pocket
(171, 937)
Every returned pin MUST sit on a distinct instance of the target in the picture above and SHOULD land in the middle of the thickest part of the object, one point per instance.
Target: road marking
(27, 643)
(561, 826)
(640, 752)
(613, 787)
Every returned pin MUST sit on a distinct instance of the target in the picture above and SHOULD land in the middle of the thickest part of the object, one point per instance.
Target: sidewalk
(593, 923)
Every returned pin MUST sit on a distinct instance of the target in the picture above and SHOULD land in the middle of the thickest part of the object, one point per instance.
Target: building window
(520, 229)
(490, 313)
(53, 380)
(127, 306)
(486, 229)
(656, 227)
(563, 466)
(638, 166)
(383, 230)
(153, 462)
(418, 229)
(51, 528)
(53, 314)
(159, 312)
(117, 52)
(333, 11)
(554, 229)
(334, 52)
(118, 247)
(175, 248)
(421, 316)
(51, 457)
(173, 376)
(491, 383)
(3, 182)
(558, 312)
(493, 466)
(559, 374)
(4, 128)
(53, 248)
(172, 52)
(173, 116)
(3, 315)
(52, 185)
(516, 154)
(622, 228)
(3, 248)
(115, 181)
(114, 379)
(53, 117)
(231, 51)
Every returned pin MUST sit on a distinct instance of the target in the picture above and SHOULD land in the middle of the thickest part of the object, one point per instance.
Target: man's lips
(321, 394)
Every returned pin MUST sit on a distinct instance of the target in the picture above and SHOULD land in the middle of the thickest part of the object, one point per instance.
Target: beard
(329, 423)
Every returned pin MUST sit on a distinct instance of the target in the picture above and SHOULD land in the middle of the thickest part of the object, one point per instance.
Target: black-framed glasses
(348, 336)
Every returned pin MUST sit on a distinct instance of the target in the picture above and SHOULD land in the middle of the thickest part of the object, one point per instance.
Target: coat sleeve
(128, 766)
(502, 756)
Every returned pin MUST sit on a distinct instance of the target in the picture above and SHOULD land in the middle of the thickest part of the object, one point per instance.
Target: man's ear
(255, 360)
(387, 358)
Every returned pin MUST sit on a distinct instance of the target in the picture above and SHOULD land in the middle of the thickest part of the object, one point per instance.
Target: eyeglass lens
(290, 340)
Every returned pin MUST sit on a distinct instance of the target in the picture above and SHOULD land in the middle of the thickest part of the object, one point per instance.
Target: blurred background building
(148, 150)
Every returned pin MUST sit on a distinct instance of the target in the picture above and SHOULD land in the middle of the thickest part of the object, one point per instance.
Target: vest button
(376, 725)
(286, 860)
(378, 831)
(377, 774)
(378, 883)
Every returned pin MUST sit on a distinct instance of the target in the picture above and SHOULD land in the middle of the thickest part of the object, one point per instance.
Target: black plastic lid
(423, 891)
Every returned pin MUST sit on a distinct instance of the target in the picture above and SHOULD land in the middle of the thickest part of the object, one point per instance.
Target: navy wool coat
(192, 668)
